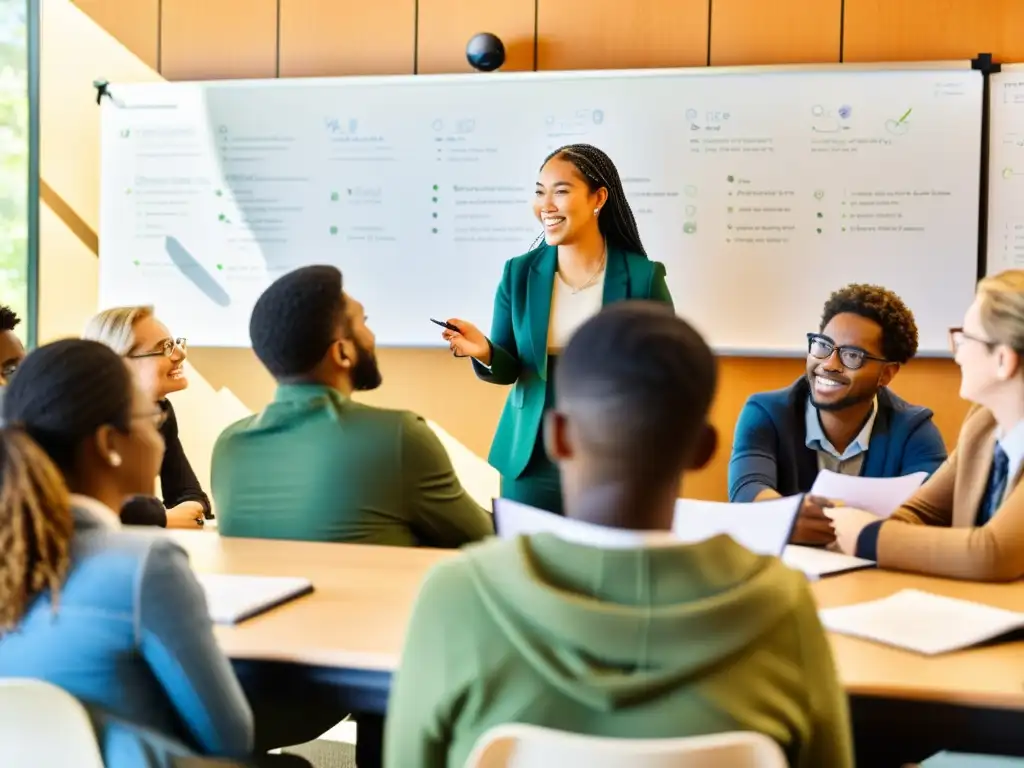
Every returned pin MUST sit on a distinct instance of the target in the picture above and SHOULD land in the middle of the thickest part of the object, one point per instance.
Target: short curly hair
(295, 321)
(8, 319)
(882, 306)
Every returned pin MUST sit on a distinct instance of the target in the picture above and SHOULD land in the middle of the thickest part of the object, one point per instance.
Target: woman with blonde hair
(967, 521)
(158, 360)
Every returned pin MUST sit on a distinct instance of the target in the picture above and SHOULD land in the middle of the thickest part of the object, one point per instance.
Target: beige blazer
(941, 538)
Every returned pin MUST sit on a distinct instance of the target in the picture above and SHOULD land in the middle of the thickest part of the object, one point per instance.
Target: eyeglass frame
(836, 348)
(168, 351)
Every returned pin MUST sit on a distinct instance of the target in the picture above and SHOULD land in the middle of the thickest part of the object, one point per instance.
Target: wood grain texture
(203, 40)
(329, 38)
(611, 34)
(921, 30)
(445, 26)
(788, 32)
(135, 24)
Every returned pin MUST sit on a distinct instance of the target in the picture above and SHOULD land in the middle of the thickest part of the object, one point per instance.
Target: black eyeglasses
(957, 336)
(166, 349)
(822, 347)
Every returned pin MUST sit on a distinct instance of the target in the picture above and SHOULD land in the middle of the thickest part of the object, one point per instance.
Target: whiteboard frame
(549, 75)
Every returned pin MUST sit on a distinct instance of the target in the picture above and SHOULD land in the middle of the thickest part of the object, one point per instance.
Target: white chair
(530, 746)
(44, 726)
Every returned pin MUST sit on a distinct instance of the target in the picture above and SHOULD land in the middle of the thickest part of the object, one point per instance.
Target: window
(18, 160)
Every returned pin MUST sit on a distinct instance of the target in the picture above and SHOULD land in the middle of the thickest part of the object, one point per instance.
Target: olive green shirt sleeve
(829, 740)
(439, 510)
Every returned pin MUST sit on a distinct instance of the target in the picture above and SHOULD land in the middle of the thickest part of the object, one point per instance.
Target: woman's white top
(569, 309)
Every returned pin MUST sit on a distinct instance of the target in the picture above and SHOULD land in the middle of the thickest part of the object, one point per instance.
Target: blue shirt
(848, 462)
(132, 640)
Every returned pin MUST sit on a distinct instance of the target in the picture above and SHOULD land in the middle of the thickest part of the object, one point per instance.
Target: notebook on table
(231, 599)
(922, 622)
(817, 562)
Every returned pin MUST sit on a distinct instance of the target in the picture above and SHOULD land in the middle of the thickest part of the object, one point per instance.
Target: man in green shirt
(615, 628)
(315, 465)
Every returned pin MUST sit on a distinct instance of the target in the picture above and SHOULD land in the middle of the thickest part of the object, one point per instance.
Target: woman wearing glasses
(157, 359)
(967, 521)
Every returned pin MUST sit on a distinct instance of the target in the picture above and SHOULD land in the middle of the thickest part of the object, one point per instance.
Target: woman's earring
(597, 211)
(114, 458)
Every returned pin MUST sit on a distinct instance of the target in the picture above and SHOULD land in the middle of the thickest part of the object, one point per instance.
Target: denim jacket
(131, 638)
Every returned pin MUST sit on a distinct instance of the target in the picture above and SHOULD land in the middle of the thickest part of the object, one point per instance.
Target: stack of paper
(481, 481)
(763, 527)
(817, 562)
(922, 622)
(231, 599)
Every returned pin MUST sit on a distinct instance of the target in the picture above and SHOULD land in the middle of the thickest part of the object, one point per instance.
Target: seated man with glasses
(840, 416)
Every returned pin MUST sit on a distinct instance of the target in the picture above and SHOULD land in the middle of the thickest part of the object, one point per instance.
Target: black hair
(882, 306)
(8, 319)
(62, 393)
(638, 381)
(616, 220)
(297, 319)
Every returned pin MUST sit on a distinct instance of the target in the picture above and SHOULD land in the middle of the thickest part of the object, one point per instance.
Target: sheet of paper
(922, 622)
(763, 527)
(513, 519)
(479, 478)
(233, 598)
(817, 562)
(879, 495)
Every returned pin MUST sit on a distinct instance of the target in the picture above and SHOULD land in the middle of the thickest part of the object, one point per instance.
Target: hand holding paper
(880, 495)
(848, 523)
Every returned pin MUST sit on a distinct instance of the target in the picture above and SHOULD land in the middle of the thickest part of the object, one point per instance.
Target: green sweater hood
(612, 628)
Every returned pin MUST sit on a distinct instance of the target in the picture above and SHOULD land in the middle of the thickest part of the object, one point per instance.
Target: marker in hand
(443, 324)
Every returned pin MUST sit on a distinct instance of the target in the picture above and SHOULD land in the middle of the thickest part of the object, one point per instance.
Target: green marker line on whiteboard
(905, 116)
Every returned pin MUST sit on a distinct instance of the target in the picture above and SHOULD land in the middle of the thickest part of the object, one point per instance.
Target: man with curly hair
(12, 351)
(841, 415)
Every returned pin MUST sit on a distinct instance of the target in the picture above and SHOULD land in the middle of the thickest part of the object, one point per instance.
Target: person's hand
(185, 515)
(848, 523)
(468, 341)
(813, 526)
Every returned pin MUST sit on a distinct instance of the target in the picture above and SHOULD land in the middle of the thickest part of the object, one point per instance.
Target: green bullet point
(220, 266)
(219, 193)
(435, 187)
(137, 263)
(128, 191)
(434, 214)
(434, 199)
(819, 231)
(434, 230)
(334, 230)
(222, 217)
(335, 195)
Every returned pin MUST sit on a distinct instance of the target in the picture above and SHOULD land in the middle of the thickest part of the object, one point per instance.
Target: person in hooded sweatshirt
(624, 632)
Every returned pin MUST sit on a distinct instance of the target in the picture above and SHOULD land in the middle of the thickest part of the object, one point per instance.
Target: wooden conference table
(352, 629)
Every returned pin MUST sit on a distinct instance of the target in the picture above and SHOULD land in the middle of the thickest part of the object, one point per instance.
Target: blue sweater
(769, 448)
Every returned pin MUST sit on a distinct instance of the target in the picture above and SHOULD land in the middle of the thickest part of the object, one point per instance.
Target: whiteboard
(762, 190)
(1005, 242)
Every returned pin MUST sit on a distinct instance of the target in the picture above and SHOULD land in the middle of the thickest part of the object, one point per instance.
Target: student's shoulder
(112, 562)
(776, 400)
(456, 576)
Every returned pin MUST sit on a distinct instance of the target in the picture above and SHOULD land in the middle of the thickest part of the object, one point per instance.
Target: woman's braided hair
(61, 394)
(616, 220)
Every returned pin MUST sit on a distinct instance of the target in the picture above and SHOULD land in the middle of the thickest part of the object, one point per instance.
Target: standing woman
(157, 359)
(591, 256)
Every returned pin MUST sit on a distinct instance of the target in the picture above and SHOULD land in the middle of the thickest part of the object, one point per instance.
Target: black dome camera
(485, 52)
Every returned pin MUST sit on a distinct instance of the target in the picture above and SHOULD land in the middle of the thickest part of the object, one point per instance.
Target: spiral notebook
(231, 599)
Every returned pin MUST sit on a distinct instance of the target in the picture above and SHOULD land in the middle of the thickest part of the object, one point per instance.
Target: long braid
(35, 526)
(616, 220)
(61, 394)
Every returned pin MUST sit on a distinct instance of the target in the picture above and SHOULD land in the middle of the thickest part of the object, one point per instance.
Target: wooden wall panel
(204, 40)
(612, 34)
(916, 30)
(135, 24)
(325, 38)
(766, 32)
(445, 26)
